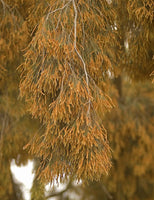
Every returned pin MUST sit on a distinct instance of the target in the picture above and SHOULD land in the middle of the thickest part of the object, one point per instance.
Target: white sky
(25, 176)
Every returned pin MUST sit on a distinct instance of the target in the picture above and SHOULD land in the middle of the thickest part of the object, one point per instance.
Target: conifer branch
(74, 74)
(82, 21)
(58, 9)
(59, 19)
(62, 86)
(79, 55)
(3, 6)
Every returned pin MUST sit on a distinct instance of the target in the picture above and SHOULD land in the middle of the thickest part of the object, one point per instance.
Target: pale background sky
(24, 175)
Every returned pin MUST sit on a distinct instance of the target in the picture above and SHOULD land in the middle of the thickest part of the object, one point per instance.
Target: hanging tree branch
(65, 78)
(79, 55)
(58, 9)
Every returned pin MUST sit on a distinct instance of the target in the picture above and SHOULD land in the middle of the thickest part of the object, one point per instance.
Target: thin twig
(72, 70)
(59, 17)
(3, 6)
(107, 192)
(58, 9)
(75, 36)
(2, 134)
(79, 55)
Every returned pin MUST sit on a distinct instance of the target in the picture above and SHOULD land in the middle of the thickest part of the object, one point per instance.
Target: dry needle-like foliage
(60, 77)
(135, 22)
(68, 51)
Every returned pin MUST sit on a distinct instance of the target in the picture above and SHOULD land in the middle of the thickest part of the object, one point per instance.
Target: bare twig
(107, 192)
(75, 48)
(74, 74)
(59, 17)
(58, 9)
(3, 6)
(75, 36)
(2, 134)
